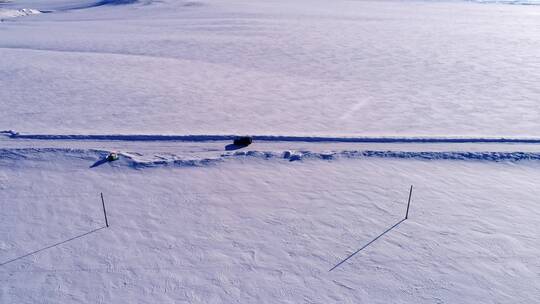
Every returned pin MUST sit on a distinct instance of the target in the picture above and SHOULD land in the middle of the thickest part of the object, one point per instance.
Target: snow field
(267, 231)
(193, 223)
(306, 68)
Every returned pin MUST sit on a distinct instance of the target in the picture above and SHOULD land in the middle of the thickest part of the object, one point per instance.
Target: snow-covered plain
(266, 67)
(288, 219)
(250, 230)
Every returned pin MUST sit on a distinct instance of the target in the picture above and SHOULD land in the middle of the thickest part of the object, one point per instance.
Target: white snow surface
(272, 67)
(370, 97)
(12, 13)
(257, 230)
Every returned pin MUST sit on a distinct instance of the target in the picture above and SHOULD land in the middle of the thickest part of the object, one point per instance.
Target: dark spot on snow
(101, 3)
(193, 4)
(233, 147)
(115, 2)
(295, 158)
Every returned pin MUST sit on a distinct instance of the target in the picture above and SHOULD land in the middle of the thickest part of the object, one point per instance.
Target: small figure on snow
(243, 141)
(112, 156)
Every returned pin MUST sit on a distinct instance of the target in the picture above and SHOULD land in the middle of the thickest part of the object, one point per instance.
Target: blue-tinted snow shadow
(366, 245)
(51, 246)
(95, 4)
(234, 147)
(99, 162)
(111, 2)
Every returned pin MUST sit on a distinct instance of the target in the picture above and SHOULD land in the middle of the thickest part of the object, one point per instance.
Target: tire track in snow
(205, 150)
(272, 138)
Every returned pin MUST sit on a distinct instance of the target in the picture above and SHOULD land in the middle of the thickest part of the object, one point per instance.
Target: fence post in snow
(104, 211)
(408, 203)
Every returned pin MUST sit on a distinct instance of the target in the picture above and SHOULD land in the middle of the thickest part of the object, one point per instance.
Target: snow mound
(12, 13)
(139, 161)
(96, 157)
(431, 155)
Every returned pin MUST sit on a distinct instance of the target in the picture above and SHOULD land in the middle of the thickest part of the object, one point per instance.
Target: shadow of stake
(51, 246)
(232, 147)
(99, 162)
(366, 245)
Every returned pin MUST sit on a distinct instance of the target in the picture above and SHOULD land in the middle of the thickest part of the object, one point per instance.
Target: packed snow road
(217, 147)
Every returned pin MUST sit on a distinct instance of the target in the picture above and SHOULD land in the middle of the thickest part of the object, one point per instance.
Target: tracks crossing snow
(197, 150)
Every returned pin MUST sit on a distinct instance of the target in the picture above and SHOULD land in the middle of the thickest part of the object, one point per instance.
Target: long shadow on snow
(99, 162)
(98, 3)
(51, 246)
(113, 2)
(231, 147)
(366, 245)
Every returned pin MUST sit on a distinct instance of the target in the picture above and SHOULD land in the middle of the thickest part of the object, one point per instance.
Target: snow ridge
(137, 161)
(451, 155)
(13, 13)
(292, 156)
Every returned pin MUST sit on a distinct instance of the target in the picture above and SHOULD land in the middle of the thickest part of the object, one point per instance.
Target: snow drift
(12, 13)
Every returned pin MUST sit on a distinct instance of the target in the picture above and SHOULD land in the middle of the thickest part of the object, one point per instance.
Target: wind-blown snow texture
(281, 67)
(258, 231)
(358, 99)
(136, 160)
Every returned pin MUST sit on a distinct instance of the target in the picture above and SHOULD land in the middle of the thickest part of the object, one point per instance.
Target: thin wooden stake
(104, 211)
(408, 204)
